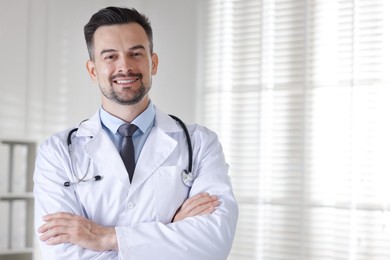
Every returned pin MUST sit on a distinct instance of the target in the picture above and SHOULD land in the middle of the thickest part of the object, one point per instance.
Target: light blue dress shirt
(144, 122)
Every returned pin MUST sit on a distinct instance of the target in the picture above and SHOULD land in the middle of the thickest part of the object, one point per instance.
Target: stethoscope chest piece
(187, 178)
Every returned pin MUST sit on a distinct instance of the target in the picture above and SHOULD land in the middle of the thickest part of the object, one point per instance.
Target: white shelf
(17, 199)
(16, 196)
(16, 251)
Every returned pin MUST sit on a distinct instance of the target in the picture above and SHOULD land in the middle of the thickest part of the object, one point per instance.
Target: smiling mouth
(125, 81)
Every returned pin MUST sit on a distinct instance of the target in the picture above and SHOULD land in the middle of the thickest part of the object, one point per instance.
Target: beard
(121, 99)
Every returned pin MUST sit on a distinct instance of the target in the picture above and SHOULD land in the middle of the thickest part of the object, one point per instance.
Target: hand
(69, 228)
(200, 204)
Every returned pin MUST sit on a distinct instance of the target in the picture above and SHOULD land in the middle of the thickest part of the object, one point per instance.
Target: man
(90, 201)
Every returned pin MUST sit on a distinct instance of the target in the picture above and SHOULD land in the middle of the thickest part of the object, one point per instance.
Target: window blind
(298, 92)
(231, 80)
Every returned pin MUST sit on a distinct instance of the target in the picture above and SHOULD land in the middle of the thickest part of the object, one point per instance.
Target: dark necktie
(127, 148)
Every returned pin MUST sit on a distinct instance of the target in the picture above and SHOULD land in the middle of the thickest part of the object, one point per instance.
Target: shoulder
(196, 131)
(86, 127)
(204, 138)
(55, 143)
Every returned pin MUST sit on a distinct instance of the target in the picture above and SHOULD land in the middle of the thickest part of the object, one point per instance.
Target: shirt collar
(143, 121)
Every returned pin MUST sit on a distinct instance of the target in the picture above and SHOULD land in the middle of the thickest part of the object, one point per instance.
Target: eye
(136, 54)
(110, 57)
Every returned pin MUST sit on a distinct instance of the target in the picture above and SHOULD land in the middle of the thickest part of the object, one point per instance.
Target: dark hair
(115, 15)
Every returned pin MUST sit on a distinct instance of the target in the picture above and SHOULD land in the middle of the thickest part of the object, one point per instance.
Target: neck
(125, 112)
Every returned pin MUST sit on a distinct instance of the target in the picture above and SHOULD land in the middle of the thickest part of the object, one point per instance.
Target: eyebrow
(107, 50)
(136, 47)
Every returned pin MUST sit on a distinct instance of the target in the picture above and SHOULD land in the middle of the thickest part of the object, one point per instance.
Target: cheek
(104, 72)
(148, 70)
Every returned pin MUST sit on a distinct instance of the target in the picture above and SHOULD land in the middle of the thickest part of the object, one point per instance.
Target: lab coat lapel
(102, 151)
(158, 147)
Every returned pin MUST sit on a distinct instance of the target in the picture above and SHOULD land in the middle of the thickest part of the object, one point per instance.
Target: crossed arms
(65, 227)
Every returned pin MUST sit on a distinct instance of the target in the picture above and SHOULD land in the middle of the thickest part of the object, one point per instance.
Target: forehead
(119, 36)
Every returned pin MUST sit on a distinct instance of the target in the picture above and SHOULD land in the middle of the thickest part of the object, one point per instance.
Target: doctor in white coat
(101, 214)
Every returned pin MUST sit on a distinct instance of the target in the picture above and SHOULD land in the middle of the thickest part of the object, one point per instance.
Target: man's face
(123, 65)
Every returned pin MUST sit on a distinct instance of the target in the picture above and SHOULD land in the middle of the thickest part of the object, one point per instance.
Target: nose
(125, 65)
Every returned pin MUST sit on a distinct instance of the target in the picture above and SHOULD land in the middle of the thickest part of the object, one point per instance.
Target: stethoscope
(187, 176)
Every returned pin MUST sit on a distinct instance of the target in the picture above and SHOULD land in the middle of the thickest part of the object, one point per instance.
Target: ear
(91, 70)
(154, 63)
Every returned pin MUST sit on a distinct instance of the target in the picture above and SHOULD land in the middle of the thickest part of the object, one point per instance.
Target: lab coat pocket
(170, 193)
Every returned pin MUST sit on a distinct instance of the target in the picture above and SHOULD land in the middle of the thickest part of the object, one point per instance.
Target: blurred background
(297, 90)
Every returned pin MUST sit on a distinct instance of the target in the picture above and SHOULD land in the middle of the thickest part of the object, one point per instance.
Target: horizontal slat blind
(231, 101)
(299, 92)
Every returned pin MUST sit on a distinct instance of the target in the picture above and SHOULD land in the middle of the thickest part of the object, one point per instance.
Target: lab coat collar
(165, 122)
(90, 127)
(150, 158)
(93, 125)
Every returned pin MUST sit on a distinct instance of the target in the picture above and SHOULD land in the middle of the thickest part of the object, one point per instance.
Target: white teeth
(125, 81)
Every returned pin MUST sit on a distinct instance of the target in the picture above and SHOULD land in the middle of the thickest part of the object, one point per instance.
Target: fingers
(205, 208)
(55, 220)
(55, 236)
(56, 228)
(69, 228)
(56, 240)
(60, 215)
(200, 204)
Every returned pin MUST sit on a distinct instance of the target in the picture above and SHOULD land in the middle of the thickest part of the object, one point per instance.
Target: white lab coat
(141, 212)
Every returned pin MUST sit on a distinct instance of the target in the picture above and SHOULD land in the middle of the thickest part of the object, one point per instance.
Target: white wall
(44, 83)
(174, 24)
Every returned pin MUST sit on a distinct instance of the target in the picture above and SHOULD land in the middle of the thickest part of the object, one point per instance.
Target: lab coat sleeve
(51, 171)
(207, 237)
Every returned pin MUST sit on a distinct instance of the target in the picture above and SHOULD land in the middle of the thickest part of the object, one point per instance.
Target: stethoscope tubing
(188, 138)
(186, 174)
